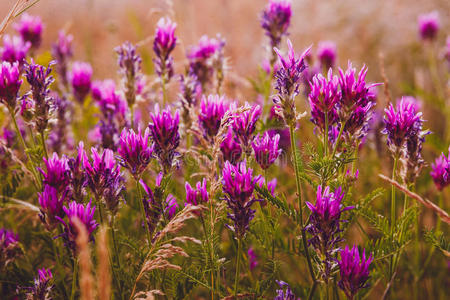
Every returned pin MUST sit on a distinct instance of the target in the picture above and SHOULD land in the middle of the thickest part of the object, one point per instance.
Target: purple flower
(10, 83)
(230, 148)
(130, 68)
(171, 206)
(78, 177)
(238, 185)
(42, 286)
(8, 137)
(212, 110)
(244, 125)
(322, 99)
(109, 100)
(401, 123)
(428, 25)
(252, 258)
(198, 195)
(202, 58)
(190, 93)
(288, 81)
(81, 80)
(102, 174)
(134, 151)
(275, 20)
(285, 292)
(51, 202)
(354, 271)
(58, 173)
(62, 52)
(163, 44)
(85, 214)
(14, 49)
(324, 225)
(40, 80)
(441, 171)
(266, 149)
(165, 136)
(152, 206)
(326, 52)
(30, 29)
(9, 247)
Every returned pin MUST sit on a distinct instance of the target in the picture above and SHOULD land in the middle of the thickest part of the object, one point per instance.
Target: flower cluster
(78, 177)
(288, 79)
(285, 292)
(190, 93)
(153, 204)
(238, 186)
(14, 49)
(165, 136)
(441, 171)
(10, 83)
(57, 175)
(275, 20)
(324, 225)
(354, 271)
(326, 52)
(134, 151)
(212, 110)
(266, 149)
(244, 125)
(51, 202)
(163, 45)
(80, 79)
(42, 287)
(9, 247)
(428, 26)
(30, 29)
(230, 148)
(130, 68)
(62, 51)
(198, 195)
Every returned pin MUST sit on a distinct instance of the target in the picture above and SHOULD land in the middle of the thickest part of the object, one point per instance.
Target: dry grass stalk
(387, 93)
(19, 7)
(84, 260)
(427, 203)
(103, 268)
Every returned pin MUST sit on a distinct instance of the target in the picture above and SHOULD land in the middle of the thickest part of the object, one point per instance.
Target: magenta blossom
(30, 29)
(441, 171)
(198, 195)
(266, 149)
(57, 172)
(109, 100)
(51, 205)
(62, 51)
(244, 124)
(81, 80)
(275, 20)
(252, 258)
(163, 44)
(10, 83)
(326, 52)
(134, 150)
(9, 247)
(14, 49)
(212, 110)
(230, 148)
(428, 25)
(171, 206)
(42, 287)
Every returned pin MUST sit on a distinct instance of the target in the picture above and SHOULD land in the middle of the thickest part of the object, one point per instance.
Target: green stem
(393, 204)
(163, 87)
(141, 206)
(59, 264)
(74, 279)
(325, 135)
(237, 268)
(43, 144)
(338, 138)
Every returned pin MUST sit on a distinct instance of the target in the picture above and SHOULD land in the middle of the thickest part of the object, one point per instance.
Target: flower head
(165, 136)
(130, 67)
(9, 247)
(285, 292)
(163, 45)
(198, 195)
(134, 150)
(266, 149)
(212, 110)
(62, 51)
(238, 186)
(441, 171)
(252, 258)
(85, 214)
(275, 20)
(58, 173)
(42, 286)
(171, 206)
(428, 25)
(14, 49)
(326, 52)
(81, 76)
(244, 124)
(111, 102)
(30, 29)
(354, 271)
(51, 202)
(152, 205)
(10, 83)
(230, 147)
(78, 177)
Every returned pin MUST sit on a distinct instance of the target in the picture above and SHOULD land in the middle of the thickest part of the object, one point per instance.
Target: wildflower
(14, 49)
(238, 185)
(230, 148)
(40, 80)
(81, 80)
(171, 206)
(78, 177)
(275, 20)
(85, 214)
(62, 52)
(201, 58)
(130, 67)
(244, 125)
(401, 123)
(354, 271)
(30, 29)
(42, 287)
(10, 83)
(288, 82)
(152, 207)
(285, 292)
(51, 202)
(163, 45)
(110, 102)
(324, 225)
(252, 258)
(58, 174)
(8, 137)
(326, 52)
(60, 137)
(103, 173)
(134, 151)
(9, 247)
(428, 26)
(198, 195)
(190, 93)
(441, 171)
(165, 136)
(322, 99)
(212, 110)
(266, 149)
